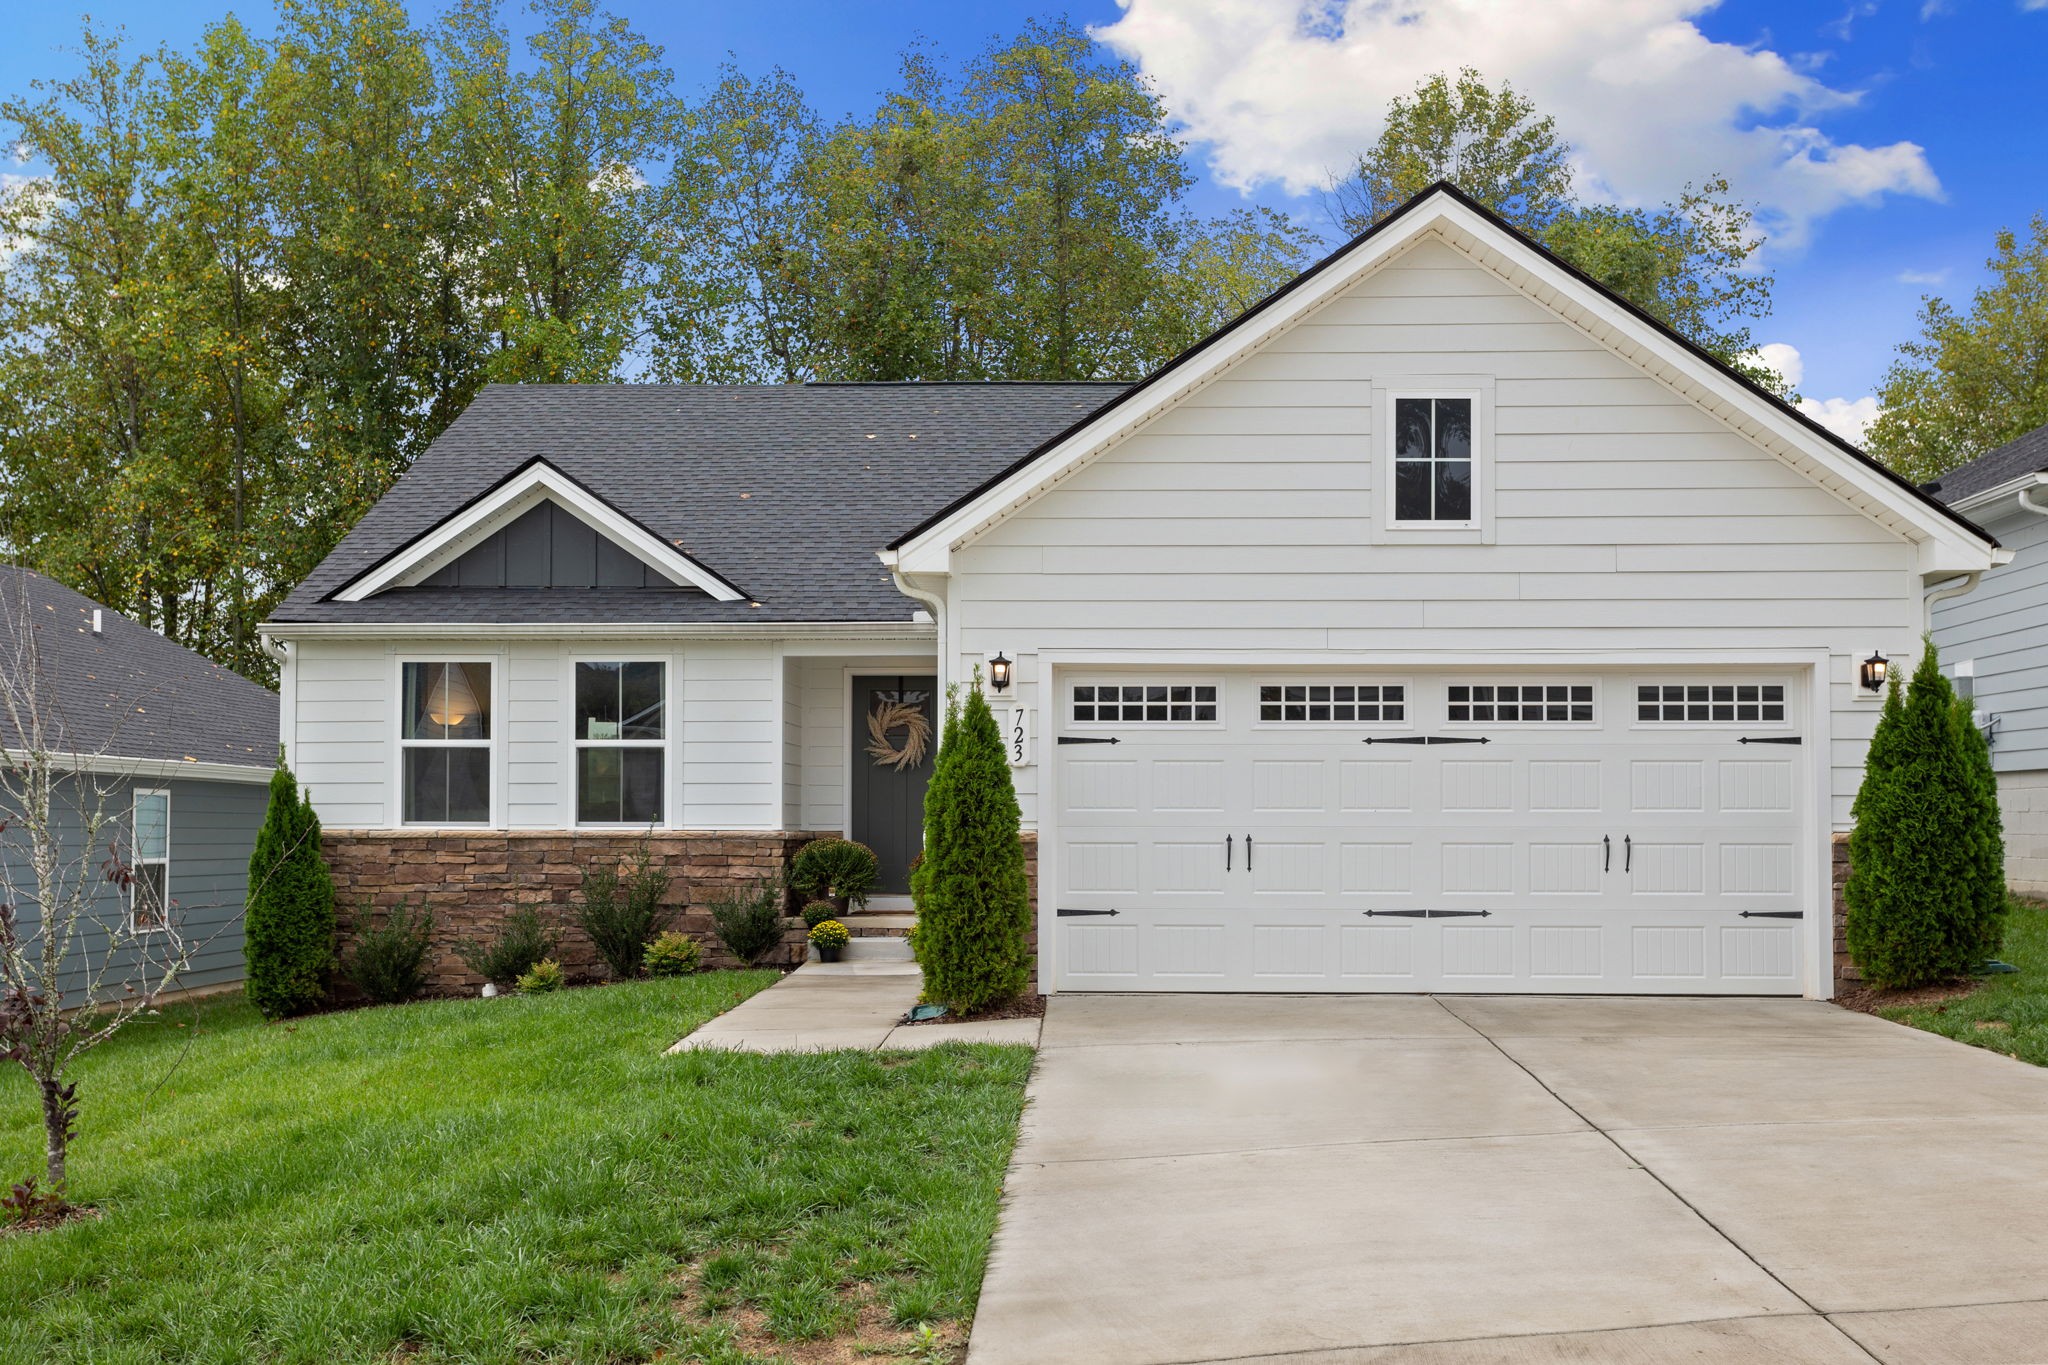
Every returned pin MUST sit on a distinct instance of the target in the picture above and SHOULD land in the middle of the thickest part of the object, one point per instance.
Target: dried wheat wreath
(917, 734)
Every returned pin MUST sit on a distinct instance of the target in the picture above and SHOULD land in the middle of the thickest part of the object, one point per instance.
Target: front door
(895, 735)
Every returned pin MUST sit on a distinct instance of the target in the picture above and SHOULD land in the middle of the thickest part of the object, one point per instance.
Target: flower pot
(829, 952)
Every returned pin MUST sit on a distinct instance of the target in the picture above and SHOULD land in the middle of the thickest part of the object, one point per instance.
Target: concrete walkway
(1403, 1180)
(828, 1006)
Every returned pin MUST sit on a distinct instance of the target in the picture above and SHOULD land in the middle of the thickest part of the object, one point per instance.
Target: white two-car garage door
(1474, 831)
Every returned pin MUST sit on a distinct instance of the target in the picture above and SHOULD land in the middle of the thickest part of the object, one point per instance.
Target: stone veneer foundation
(472, 879)
(1846, 974)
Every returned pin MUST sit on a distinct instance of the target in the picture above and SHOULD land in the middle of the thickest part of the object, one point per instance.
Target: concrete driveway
(1406, 1180)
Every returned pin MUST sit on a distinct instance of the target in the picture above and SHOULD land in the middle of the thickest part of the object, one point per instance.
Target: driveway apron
(1447, 1181)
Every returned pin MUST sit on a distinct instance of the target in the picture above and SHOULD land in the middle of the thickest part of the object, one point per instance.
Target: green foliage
(817, 912)
(838, 868)
(2006, 1013)
(544, 976)
(1689, 263)
(1970, 382)
(389, 960)
(973, 904)
(288, 923)
(525, 940)
(674, 953)
(749, 923)
(830, 933)
(621, 914)
(1926, 893)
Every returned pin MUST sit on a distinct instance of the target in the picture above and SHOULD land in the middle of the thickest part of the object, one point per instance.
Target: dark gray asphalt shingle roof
(2026, 455)
(786, 491)
(129, 692)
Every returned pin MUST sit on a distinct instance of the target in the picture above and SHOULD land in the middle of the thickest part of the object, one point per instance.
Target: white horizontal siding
(2002, 628)
(1627, 519)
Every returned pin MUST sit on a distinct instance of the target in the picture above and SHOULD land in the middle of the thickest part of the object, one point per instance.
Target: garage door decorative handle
(1087, 739)
(1427, 739)
(1774, 914)
(1226, 851)
(1769, 739)
(1431, 914)
(1606, 852)
(1068, 914)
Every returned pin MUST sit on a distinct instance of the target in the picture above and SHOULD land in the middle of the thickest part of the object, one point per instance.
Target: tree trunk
(56, 1132)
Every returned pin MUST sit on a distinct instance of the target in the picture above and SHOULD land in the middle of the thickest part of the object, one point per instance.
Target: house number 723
(1017, 736)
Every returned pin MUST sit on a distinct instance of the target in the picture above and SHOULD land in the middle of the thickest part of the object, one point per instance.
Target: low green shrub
(544, 976)
(749, 923)
(817, 912)
(830, 934)
(389, 961)
(837, 869)
(675, 953)
(525, 940)
(620, 914)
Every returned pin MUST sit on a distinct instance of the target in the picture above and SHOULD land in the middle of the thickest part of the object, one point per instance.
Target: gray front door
(888, 794)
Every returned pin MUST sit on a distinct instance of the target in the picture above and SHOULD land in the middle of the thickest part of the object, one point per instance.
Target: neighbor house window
(1433, 464)
(621, 742)
(150, 857)
(445, 731)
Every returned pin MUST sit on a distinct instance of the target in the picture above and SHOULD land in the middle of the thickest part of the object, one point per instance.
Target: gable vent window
(1433, 461)
(1146, 703)
(1694, 703)
(1332, 703)
(1521, 703)
(445, 731)
(621, 742)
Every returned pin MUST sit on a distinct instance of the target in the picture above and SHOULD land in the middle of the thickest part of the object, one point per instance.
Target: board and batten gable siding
(726, 728)
(212, 833)
(1626, 519)
(2001, 630)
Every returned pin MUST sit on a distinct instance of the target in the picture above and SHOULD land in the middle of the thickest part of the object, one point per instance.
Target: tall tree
(1690, 263)
(1971, 381)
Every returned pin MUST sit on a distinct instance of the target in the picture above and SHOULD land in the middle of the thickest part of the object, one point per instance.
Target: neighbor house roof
(785, 491)
(2014, 460)
(128, 693)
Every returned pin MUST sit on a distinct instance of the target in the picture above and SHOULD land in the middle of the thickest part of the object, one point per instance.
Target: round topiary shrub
(673, 953)
(836, 869)
(817, 912)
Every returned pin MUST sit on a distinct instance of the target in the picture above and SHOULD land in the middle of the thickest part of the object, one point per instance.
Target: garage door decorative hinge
(1774, 914)
(1063, 914)
(1769, 739)
(1087, 739)
(1431, 914)
(1427, 739)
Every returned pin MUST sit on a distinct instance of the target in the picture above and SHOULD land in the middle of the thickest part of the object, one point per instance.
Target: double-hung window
(150, 860)
(1434, 464)
(445, 732)
(621, 724)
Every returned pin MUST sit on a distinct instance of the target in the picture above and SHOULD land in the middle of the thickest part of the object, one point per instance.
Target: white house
(1443, 623)
(1994, 641)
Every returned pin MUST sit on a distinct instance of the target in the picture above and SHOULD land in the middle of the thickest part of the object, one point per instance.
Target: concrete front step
(873, 948)
(880, 923)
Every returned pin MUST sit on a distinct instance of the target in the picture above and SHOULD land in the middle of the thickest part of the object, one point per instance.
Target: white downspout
(1954, 587)
(937, 603)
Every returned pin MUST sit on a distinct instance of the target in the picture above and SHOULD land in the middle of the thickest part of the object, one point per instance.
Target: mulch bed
(1023, 1007)
(1869, 1000)
(43, 1222)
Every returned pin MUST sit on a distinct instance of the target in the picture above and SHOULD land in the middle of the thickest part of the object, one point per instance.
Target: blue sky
(1886, 141)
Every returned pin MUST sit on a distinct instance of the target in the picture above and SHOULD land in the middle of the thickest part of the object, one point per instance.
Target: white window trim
(1665, 727)
(1067, 721)
(136, 860)
(1385, 392)
(495, 743)
(573, 774)
(1457, 679)
(1407, 686)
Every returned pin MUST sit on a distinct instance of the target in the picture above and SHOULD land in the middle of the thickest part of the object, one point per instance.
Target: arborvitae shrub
(973, 898)
(288, 920)
(1926, 891)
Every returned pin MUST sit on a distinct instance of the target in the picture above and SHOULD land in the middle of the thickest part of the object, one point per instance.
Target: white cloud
(1848, 418)
(2033, 4)
(1288, 91)
(1785, 359)
(1924, 276)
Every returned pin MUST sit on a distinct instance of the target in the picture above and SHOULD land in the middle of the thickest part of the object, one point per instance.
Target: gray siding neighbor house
(1994, 640)
(174, 750)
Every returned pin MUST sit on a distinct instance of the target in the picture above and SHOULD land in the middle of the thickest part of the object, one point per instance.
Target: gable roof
(130, 694)
(2012, 462)
(783, 490)
(1464, 223)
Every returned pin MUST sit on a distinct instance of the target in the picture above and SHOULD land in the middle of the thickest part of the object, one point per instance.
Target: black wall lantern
(1874, 671)
(999, 673)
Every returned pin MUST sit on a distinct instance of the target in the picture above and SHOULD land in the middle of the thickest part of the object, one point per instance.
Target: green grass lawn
(2008, 1013)
(523, 1179)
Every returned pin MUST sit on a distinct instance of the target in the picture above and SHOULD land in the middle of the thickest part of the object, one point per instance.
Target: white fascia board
(2004, 492)
(153, 769)
(507, 503)
(1946, 547)
(907, 632)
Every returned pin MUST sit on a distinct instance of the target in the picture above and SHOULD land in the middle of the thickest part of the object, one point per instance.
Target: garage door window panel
(1304, 702)
(1146, 703)
(1711, 703)
(1518, 703)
